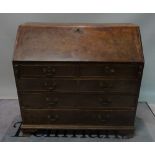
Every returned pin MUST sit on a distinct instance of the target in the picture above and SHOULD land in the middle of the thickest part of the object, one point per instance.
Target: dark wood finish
(79, 117)
(93, 42)
(71, 69)
(48, 70)
(78, 76)
(77, 100)
(79, 85)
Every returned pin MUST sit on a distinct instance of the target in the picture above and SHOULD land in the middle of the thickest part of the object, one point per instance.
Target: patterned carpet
(145, 130)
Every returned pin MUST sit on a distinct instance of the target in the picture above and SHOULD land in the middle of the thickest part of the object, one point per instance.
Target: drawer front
(47, 85)
(118, 70)
(73, 100)
(78, 117)
(125, 86)
(80, 70)
(47, 71)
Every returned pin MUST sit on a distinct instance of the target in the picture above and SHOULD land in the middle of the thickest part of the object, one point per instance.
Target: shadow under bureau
(78, 76)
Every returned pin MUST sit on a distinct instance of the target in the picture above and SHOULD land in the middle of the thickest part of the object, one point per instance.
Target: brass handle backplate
(103, 118)
(51, 101)
(109, 70)
(49, 71)
(49, 85)
(104, 101)
(52, 118)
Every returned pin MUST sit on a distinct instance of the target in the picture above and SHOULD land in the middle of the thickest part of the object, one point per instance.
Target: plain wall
(8, 28)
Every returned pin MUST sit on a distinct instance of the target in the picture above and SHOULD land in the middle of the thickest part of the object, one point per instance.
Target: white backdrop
(8, 28)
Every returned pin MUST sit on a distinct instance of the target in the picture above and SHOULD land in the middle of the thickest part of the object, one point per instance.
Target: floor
(9, 109)
(152, 106)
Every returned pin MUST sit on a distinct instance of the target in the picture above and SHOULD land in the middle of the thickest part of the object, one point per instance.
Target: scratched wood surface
(78, 42)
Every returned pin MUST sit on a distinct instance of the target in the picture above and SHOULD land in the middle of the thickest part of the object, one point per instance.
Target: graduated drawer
(78, 69)
(81, 85)
(78, 117)
(76, 100)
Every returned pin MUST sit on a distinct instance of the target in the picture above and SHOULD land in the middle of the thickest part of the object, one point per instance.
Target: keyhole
(78, 30)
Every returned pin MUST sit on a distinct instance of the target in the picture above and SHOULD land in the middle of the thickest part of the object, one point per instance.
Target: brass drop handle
(50, 86)
(47, 99)
(103, 118)
(104, 101)
(53, 102)
(112, 70)
(52, 118)
(108, 69)
(49, 71)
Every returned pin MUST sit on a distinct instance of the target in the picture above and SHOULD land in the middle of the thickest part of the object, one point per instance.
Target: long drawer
(75, 69)
(78, 117)
(82, 85)
(76, 100)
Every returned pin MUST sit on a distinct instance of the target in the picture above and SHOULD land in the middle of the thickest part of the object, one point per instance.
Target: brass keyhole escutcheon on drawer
(78, 30)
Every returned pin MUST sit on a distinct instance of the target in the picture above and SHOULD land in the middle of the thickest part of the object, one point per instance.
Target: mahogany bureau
(78, 76)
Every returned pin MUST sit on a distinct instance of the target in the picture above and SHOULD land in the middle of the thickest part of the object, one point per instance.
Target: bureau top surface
(78, 42)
